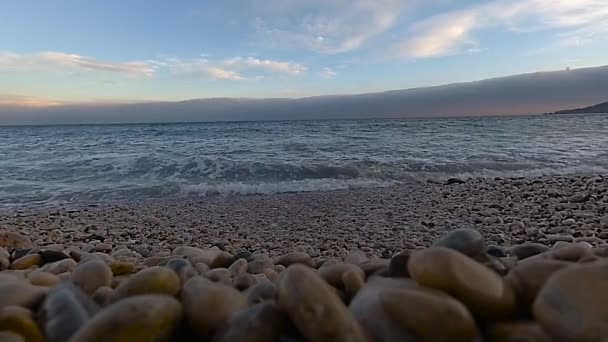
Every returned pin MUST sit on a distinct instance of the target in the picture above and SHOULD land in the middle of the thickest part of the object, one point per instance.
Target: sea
(92, 164)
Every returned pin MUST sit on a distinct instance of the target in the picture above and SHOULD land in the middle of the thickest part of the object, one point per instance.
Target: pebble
(119, 268)
(153, 280)
(139, 318)
(239, 266)
(19, 321)
(420, 311)
(50, 255)
(7, 336)
(295, 258)
(20, 293)
(517, 332)
(315, 309)
(333, 274)
(63, 266)
(65, 309)
(527, 250)
(258, 323)
(222, 260)
(208, 305)
(10, 240)
(484, 292)
(528, 278)
(91, 275)
(43, 279)
(464, 240)
(570, 306)
(26, 262)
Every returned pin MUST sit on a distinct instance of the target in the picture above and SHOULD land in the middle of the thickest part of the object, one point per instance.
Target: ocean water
(50, 165)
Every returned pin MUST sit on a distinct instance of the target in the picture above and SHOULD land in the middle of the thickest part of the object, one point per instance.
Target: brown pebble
(20, 321)
(91, 275)
(315, 309)
(43, 279)
(143, 318)
(570, 306)
(420, 311)
(484, 292)
(208, 305)
(516, 332)
(26, 262)
(153, 280)
(258, 323)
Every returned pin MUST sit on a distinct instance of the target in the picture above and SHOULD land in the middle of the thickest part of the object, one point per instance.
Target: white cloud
(325, 26)
(575, 21)
(328, 73)
(223, 74)
(54, 60)
(288, 68)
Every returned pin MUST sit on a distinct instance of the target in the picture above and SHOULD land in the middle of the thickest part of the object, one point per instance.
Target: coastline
(378, 221)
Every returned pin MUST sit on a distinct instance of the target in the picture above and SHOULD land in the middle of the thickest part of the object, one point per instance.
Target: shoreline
(378, 221)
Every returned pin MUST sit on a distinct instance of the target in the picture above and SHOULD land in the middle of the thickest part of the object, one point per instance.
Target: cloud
(233, 68)
(453, 32)
(325, 26)
(328, 73)
(288, 68)
(223, 74)
(53, 60)
(13, 100)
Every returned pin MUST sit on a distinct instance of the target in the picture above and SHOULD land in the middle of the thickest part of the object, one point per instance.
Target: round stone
(527, 250)
(8, 336)
(26, 262)
(153, 280)
(91, 275)
(496, 251)
(238, 267)
(222, 260)
(369, 311)
(295, 258)
(10, 240)
(484, 292)
(20, 321)
(260, 292)
(20, 293)
(315, 309)
(138, 318)
(420, 311)
(43, 279)
(332, 274)
(464, 240)
(516, 331)
(49, 256)
(527, 278)
(569, 307)
(63, 266)
(65, 309)
(398, 264)
(121, 268)
(258, 323)
(103, 295)
(209, 305)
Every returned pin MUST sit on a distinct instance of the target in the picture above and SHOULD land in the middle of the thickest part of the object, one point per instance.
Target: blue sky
(76, 51)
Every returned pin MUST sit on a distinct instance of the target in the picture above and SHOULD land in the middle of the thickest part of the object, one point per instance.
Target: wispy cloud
(234, 68)
(25, 101)
(328, 73)
(575, 21)
(289, 68)
(325, 26)
(223, 74)
(57, 60)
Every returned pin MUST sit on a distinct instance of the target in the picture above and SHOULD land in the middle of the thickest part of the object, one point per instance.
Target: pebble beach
(493, 259)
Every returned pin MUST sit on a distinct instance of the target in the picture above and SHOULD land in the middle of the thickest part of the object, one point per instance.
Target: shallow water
(44, 165)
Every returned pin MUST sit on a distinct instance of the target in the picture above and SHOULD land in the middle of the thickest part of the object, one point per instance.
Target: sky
(72, 51)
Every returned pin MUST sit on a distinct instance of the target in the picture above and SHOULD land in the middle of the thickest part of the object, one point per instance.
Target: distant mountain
(533, 93)
(599, 108)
